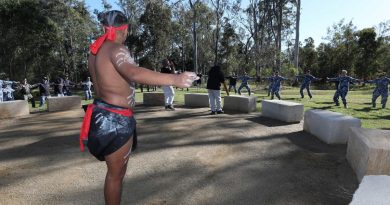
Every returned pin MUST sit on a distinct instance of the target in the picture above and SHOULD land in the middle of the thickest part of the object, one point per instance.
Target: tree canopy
(53, 37)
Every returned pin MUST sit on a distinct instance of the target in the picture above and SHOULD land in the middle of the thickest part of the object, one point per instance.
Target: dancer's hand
(185, 80)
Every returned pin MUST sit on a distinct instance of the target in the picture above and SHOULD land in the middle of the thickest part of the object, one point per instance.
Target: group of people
(114, 74)
(61, 86)
(7, 90)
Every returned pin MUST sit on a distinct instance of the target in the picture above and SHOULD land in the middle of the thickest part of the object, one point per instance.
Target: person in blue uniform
(306, 81)
(343, 87)
(277, 82)
(381, 89)
(244, 83)
(270, 85)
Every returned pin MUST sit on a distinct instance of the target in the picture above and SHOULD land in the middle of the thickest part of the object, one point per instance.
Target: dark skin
(112, 70)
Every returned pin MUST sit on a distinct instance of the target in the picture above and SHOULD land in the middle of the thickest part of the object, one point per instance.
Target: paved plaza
(183, 157)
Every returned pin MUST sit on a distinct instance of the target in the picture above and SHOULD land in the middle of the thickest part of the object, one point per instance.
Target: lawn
(359, 102)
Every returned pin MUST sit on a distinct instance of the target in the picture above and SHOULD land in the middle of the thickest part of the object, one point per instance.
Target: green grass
(359, 102)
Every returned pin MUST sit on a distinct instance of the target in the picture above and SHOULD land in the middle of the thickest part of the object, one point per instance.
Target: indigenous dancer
(307, 79)
(277, 81)
(109, 124)
(381, 89)
(343, 87)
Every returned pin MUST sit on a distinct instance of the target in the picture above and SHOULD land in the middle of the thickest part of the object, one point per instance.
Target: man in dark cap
(109, 124)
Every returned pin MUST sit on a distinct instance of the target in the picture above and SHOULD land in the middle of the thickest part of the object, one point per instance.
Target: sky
(318, 15)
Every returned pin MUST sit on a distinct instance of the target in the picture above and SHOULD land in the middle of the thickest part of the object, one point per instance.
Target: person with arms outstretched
(306, 81)
(343, 87)
(244, 83)
(277, 83)
(109, 124)
(381, 89)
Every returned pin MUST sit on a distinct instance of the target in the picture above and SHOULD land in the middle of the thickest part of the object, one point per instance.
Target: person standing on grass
(307, 79)
(244, 83)
(277, 83)
(67, 85)
(381, 89)
(87, 85)
(343, 87)
(44, 90)
(215, 78)
(169, 93)
(232, 82)
(26, 92)
(109, 124)
(271, 84)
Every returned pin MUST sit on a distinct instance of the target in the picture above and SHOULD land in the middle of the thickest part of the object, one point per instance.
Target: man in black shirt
(169, 93)
(214, 81)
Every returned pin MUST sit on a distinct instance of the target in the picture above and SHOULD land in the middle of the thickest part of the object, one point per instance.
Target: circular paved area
(184, 157)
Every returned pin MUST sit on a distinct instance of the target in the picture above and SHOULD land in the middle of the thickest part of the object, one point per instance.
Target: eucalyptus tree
(367, 53)
(297, 25)
(156, 31)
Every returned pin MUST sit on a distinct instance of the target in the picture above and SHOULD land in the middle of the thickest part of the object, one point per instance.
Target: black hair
(113, 18)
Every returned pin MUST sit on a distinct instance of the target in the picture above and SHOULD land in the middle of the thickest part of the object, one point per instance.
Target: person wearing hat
(343, 87)
(381, 89)
(109, 125)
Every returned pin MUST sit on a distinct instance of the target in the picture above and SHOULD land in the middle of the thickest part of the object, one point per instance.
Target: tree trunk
(296, 47)
(195, 40)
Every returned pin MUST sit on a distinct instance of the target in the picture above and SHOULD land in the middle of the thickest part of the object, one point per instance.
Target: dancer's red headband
(110, 35)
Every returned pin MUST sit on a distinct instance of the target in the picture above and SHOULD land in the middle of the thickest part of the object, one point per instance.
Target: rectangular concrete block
(196, 100)
(63, 103)
(282, 110)
(373, 190)
(16, 108)
(368, 152)
(154, 98)
(330, 127)
(237, 103)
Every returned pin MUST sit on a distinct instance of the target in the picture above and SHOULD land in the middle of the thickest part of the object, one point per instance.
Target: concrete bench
(368, 151)
(282, 110)
(11, 109)
(196, 100)
(237, 103)
(63, 103)
(330, 127)
(155, 98)
(373, 190)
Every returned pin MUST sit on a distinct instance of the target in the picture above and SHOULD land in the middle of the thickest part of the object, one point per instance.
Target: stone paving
(184, 157)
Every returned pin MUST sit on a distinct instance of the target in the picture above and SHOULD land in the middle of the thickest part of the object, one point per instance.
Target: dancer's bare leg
(116, 170)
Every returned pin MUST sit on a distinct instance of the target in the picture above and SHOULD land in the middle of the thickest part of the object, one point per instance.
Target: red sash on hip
(87, 121)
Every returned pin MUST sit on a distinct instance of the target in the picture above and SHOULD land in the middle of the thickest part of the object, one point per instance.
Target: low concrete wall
(368, 152)
(155, 98)
(282, 110)
(196, 100)
(373, 190)
(63, 103)
(237, 103)
(330, 127)
(16, 108)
